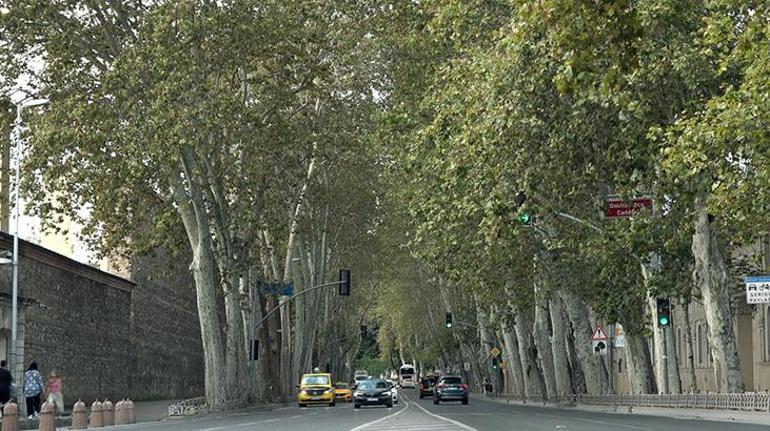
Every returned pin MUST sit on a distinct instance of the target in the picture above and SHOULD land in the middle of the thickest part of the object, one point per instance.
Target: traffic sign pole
(611, 348)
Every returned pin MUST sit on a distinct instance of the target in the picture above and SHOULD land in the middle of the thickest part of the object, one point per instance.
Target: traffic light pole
(665, 361)
(291, 298)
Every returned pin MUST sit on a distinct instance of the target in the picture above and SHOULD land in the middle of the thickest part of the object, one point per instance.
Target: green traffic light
(525, 218)
(663, 320)
(449, 325)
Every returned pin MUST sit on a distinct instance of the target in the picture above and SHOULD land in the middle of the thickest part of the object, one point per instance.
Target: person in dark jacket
(5, 383)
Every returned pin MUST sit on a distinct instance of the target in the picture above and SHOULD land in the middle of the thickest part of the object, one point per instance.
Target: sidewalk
(739, 416)
(146, 411)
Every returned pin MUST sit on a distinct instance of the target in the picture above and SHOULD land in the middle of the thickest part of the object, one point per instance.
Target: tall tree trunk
(710, 275)
(533, 376)
(576, 370)
(559, 347)
(195, 220)
(511, 345)
(639, 365)
(485, 340)
(689, 353)
(542, 336)
(593, 368)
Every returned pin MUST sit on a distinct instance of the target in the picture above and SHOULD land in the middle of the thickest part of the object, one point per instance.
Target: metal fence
(759, 401)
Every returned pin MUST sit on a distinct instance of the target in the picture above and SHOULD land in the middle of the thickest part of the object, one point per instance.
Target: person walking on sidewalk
(55, 392)
(33, 388)
(5, 383)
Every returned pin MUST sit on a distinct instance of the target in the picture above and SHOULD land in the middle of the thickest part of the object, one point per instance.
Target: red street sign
(618, 208)
(599, 334)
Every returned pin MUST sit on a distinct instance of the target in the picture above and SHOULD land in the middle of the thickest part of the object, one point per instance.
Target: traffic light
(524, 218)
(344, 287)
(664, 313)
(363, 331)
(495, 364)
(448, 321)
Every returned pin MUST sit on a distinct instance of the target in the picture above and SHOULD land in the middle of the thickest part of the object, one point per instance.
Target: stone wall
(165, 332)
(107, 336)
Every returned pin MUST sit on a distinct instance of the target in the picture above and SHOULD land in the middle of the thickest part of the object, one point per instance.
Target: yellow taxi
(316, 389)
(343, 392)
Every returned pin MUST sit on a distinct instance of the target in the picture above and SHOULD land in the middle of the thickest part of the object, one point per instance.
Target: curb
(729, 416)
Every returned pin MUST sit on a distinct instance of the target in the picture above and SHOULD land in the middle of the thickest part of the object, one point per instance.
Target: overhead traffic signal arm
(344, 290)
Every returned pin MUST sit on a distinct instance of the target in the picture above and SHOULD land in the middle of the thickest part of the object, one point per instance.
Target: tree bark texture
(559, 347)
(542, 338)
(593, 368)
(639, 365)
(710, 276)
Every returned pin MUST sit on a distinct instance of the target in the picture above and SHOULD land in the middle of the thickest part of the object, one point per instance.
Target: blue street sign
(758, 289)
(275, 288)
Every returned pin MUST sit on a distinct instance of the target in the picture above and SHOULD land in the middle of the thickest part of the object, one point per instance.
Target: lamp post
(16, 139)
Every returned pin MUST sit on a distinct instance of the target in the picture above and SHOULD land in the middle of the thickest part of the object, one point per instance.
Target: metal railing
(750, 401)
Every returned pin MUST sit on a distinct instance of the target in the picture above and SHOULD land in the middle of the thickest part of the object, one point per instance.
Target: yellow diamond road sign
(495, 352)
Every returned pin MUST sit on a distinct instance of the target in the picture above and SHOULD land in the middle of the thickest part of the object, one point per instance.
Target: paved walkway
(146, 411)
(735, 416)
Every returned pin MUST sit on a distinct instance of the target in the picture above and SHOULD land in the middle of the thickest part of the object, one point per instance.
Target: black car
(373, 393)
(450, 388)
(426, 385)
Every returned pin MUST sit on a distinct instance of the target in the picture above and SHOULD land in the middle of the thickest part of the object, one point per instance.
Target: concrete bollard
(47, 420)
(120, 413)
(11, 417)
(130, 412)
(108, 411)
(79, 421)
(96, 420)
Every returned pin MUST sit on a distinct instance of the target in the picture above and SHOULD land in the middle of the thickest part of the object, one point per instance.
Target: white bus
(407, 377)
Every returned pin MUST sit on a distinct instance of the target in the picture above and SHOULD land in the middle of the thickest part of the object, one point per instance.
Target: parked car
(373, 393)
(316, 389)
(426, 385)
(450, 388)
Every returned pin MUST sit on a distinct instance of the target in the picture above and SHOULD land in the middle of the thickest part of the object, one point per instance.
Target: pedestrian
(5, 383)
(33, 388)
(55, 394)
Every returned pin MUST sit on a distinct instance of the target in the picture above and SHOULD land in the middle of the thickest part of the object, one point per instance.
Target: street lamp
(16, 139)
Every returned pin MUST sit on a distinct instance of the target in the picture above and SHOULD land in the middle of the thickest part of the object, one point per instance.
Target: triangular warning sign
(599, 333)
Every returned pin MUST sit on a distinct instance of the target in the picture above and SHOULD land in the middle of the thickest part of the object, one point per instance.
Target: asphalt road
(413, 414)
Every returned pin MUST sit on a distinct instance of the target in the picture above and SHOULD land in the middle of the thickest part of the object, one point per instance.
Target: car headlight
(386, 393)
(357, 394)
(303, 392)
(328, 391)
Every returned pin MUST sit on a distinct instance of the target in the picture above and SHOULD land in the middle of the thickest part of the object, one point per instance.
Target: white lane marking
(451, 421)
(392, 415)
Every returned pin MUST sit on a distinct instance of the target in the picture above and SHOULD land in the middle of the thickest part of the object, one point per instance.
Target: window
(320, 380)
(708, 345)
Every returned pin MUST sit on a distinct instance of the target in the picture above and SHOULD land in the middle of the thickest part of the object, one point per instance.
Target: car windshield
(315, 380)
(452, 381)
(373, 384)
(341, 385)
